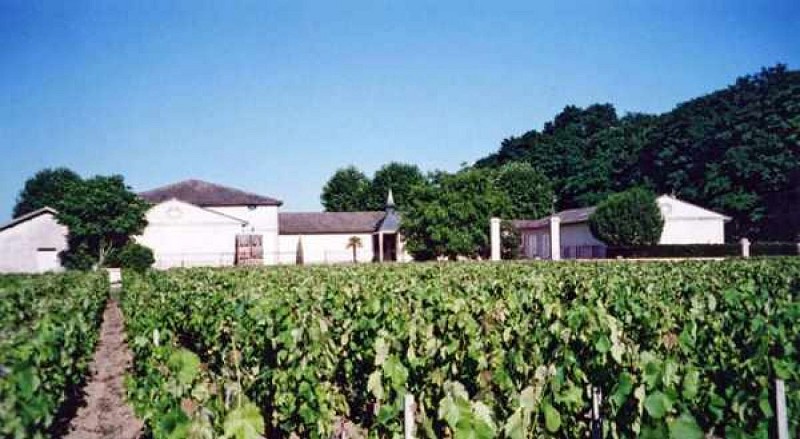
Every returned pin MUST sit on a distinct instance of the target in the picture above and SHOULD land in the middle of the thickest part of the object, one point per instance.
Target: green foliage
(132, 256)
(735, 150)
(489, 350)
(346, 191)
(450, 216)
(401, 178)
(101, 214)
(45, 189)
(528, 189)
(48, 330)
(628, 218)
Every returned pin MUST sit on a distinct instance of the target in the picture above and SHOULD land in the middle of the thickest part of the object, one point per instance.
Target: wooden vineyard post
(408, 416)
(597, 422)
(780, 405)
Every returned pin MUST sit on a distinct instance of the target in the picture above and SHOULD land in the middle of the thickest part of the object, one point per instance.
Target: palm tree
(354, 242)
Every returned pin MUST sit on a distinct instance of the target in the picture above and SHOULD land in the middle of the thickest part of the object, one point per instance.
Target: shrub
(132, 256)
(510, 241)
(629, 218)
(675, 251)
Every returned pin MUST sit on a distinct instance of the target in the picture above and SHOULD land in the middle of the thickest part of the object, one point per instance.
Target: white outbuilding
(684, 223)
(31, 243)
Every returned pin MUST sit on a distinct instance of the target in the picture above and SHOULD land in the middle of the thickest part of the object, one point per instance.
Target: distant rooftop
(298, 223)
(202, 193)
(570, 216)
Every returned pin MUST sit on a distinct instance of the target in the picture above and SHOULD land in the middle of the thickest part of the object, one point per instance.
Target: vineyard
(48, 330)
(682, 350)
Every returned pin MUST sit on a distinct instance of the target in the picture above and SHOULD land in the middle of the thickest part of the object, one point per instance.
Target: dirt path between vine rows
(106, 414)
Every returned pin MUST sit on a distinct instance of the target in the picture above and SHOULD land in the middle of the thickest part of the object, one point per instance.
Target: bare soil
(106, 414)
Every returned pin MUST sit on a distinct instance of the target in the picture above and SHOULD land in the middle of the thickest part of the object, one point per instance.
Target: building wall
(536, 243)
(261, 220)
(578, 235)
(685, 223)
(183, 235)
(325, 248)
(32, 246)
(693, 231)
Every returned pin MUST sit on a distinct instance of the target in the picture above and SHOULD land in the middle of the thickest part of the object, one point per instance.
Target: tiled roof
(296, 223)
(202, 193)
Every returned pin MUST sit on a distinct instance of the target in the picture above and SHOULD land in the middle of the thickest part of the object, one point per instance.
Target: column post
(555, 238)
(380, 246)
(494, 235)
(745, 243)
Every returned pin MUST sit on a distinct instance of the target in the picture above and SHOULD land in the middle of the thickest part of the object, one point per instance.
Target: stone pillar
(494, 236)
(745, 247)
(380, 246)
(555, 238)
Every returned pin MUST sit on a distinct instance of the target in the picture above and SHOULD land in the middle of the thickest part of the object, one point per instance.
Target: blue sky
(273, 97)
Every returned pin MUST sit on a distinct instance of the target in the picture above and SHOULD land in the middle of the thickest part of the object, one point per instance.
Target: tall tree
(46, 188)
(101, 214)
(450, 216)
(528, 189)
(346, 191)
(401, 178)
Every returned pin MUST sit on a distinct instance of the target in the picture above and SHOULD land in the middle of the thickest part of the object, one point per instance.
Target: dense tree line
(735, 150)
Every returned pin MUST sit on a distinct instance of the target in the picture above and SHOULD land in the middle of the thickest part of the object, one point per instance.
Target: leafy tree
(529, 190)
(450, 216)
(46, 188)
(563, 151)
(101, 214)
(346, 191)
(628, 218)
(401, 178)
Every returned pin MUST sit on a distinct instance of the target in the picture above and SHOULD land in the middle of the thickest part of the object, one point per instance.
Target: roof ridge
(26, 216)
(206, 193)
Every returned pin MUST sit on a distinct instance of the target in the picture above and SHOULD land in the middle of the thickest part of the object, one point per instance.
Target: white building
(684, 223)
(30, 243)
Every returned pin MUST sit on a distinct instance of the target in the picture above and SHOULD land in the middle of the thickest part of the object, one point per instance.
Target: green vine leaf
(244, 422)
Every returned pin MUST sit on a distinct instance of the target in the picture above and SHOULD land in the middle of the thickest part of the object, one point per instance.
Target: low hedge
(774, 249)
(702, 250)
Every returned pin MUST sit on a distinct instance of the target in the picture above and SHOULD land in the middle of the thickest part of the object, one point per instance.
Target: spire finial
(390, 199)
